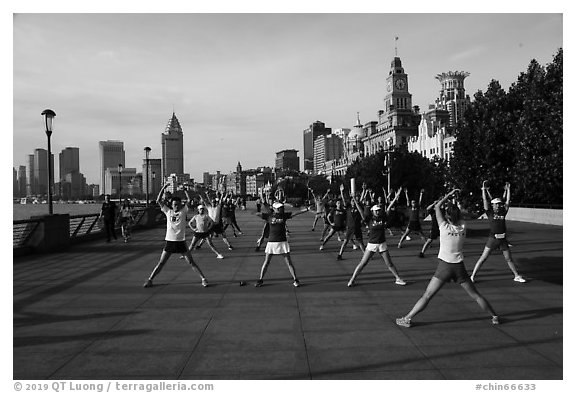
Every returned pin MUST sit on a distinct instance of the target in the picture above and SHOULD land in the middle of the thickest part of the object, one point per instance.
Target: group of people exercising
(349, 217)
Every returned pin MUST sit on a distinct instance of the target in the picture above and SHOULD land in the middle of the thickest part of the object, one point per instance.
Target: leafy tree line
(514, 136)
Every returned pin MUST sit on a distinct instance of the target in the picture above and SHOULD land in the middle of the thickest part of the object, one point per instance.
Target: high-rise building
(116, 183)
(310, 134)
(41, 170)
(22, 181)
(30, 184)
(172, 148)
(287, 160)
(326, 148)
(111, 154)
(15, 190)
(69, 161)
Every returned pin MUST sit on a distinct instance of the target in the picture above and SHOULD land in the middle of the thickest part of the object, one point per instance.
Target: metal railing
(82, 226)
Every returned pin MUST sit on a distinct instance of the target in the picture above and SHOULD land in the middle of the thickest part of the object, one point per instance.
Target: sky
(244, 85)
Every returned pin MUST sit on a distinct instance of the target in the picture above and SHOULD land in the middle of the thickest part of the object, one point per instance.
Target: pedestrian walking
(108, 214)
(126, 216)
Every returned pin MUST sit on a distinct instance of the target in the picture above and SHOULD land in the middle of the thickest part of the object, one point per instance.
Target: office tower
(172, 148)
(41, 170)
(287, 160)
(22, 181)
(69, 161)
(310, 134)
(30, 184)
(326, 148)
(111, 154)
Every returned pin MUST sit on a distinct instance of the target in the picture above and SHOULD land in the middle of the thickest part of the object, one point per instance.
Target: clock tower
(399, 120)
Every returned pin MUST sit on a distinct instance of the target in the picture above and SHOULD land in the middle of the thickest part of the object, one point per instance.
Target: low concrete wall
(537, 216)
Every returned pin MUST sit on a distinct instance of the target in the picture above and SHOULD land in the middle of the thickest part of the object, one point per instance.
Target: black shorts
(494, 243)
(217, 228)
(434, 233)
(356, 232)
(338, 229)
(124, 219)
(447, 272)
(202, 235)
(179, 247)
(414, 226)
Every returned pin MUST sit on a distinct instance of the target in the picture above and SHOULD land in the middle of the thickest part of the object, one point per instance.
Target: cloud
(467, 54)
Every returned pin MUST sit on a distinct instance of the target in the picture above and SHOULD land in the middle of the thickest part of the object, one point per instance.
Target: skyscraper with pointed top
(172, 148)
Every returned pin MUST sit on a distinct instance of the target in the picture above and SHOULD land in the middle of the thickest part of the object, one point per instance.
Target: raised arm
(420, 198)
(159, 198)
(398, 193)
(301, 211)
(437, 207)
(507, 192)
(342, 193)
(360, 210)
(407, 199)
(485, 200)
(189, 203)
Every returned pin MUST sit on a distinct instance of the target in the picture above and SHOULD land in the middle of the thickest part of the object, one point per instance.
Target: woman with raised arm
(496, 212)
(277, 242)
(377, 240)
(175, 234)
(413, 218)
(451, 262)
(434, 229)
(353, 224)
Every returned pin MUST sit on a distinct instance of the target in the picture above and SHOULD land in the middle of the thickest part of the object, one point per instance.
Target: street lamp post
(120, 166)
(147, 150)
(49, 117)
(153, 181)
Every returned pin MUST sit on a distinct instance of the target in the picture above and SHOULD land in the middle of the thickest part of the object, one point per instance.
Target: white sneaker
(354, 247)
(519, 279)
(220, 256)
(408, 238)
(400, 282)
(321, 248)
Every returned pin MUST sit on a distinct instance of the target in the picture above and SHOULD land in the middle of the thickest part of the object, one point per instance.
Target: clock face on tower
(400, 84)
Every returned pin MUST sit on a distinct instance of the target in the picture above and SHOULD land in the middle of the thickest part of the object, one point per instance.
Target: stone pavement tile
(181, 301)
(118, 341)
(364, 359)
(38, 365)
(192, 319)
(377, 339)
(123, 365)
(110, 300)
(551, 350)
(532, 333)
(523, 374)
(234, 323)
(344, 322)
(252, 297)
(384, 375)
(260, 340)
(469, 335)
(209, 361)
(491, 355)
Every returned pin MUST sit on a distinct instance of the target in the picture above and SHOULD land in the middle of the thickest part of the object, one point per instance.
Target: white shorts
(277, 248)
(374, 247)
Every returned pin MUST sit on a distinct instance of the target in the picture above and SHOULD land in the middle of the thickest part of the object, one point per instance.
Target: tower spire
(358, 119)
(396, 46)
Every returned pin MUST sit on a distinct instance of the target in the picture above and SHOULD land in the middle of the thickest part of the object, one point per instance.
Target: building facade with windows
(310, 134)
(111, 154)
(172, 148)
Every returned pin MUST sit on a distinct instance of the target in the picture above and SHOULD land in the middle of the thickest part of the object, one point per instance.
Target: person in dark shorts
(496, 212)
(336, 220)
(434, 230)
(214, 207)
(277, 241)
(353, 225)
(450, 264)
(202, 226)
(108, 212)
(175, 235)
(377, 241)
(413, 218)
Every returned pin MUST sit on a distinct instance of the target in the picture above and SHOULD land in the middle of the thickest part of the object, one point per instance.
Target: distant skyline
(244, 86)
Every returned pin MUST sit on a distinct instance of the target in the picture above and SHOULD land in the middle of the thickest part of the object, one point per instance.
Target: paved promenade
(83, 314)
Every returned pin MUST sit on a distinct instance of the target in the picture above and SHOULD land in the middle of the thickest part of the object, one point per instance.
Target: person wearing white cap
(377, 240)
(496, 212)
(202, 225)
(278, 242)
(450, 262)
